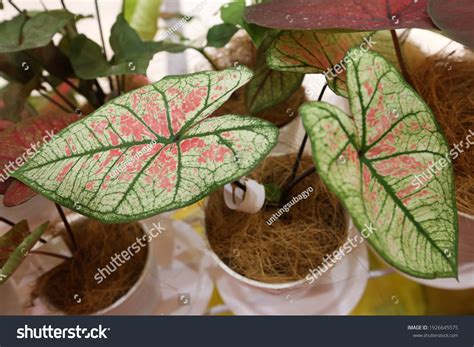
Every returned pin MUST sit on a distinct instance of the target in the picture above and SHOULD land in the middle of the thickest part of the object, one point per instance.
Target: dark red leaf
(17, 194)
(5, 184)
(341, 14)
(4, 124)
(454, 17)
(18, 143)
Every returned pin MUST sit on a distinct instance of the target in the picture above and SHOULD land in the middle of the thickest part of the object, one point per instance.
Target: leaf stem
(398, 51)
(67, 226)
(57, 104)
(303, 143)
(44, 6)
(295, 181)
(65, 80)
(208, 58)
(56, 91)
(50, 254)
(15, 6)
(102, 39)
(7, 221)
(240, 185)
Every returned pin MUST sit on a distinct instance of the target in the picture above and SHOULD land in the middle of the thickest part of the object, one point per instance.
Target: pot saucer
(185, 285)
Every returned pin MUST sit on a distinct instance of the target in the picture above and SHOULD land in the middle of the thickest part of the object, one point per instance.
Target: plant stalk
(15, 6)
(240, 185)
(63, 97)
(205, 55)
(63, 79)
(50, 254)
(67, 226)
(54, 102)
(401, 61)
(102, 40)
(7, 221)
(295, 181)
(303, 143)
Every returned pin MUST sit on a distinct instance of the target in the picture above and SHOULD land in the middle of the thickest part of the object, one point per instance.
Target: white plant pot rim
(260, 284)
(76, 217)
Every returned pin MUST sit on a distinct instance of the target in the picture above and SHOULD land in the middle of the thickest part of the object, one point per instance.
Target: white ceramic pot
(141, 299)
(336, 292)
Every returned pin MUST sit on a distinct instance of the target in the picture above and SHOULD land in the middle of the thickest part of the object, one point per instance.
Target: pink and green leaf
(454, 18)
(15, 245)
(152, 150)
(341, 14)
(371, 161)
(323, 52)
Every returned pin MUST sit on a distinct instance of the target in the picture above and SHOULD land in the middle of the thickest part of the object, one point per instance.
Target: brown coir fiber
(296, 242)
(447, 85)
(71, 288)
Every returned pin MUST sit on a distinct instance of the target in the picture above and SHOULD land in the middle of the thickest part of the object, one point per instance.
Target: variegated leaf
(372, 161)
(323, 52)
(15, 245)
(152, 150)
(269, 87)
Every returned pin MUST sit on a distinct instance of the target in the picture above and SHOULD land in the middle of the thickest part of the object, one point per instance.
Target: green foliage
(132, 54)
(31, 31)
(220, 34)
(269, 87)
(233, 13)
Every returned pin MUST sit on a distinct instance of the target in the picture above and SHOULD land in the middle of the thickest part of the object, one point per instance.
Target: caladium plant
(369, 159)
(152, 150)
(311, 52)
